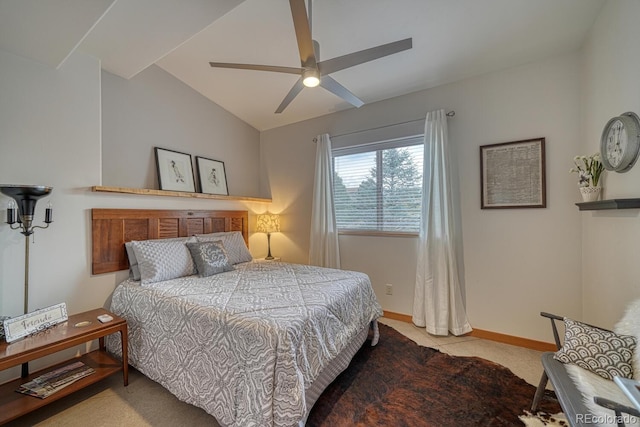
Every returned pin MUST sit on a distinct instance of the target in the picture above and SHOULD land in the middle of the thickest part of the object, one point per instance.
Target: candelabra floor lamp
(26, 197)
(268, 223)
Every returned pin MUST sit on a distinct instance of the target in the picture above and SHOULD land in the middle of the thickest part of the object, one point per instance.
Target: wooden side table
(78, 329)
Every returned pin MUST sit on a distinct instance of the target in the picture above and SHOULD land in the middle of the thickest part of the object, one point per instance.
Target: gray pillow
(134, 270)
(597, 350)
(233, 242)
(160, 260)
(210, 257)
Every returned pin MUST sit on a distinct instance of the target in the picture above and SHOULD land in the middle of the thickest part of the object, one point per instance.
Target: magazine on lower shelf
(47, 384)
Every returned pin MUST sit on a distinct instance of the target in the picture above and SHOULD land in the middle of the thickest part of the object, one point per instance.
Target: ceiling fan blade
(295, 90)
(303, 33)
(337, 89)
(273, 68)
(362, 56)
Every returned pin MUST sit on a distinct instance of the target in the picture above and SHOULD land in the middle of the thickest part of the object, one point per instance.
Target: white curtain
(438, 303)
(323, 248)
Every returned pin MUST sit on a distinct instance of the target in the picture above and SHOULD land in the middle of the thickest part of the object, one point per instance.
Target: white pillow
(233, 242)
(160, 260)
(134, 270)
(629, 324)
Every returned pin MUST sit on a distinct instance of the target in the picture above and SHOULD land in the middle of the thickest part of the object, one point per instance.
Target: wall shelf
(609, 204)
(149, 192)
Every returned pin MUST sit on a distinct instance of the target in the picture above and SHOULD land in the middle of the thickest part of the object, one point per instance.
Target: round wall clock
(620, 142)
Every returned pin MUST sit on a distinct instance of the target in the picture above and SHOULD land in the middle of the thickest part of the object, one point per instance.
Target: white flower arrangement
(589, 169)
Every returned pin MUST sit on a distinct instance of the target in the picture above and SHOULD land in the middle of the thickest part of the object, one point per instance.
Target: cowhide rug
(399, 383)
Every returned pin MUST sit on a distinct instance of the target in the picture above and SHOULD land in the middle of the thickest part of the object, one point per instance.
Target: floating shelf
(149, 192)
(609, 204)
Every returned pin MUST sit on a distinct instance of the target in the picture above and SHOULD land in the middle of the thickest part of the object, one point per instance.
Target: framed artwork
(175, 172)
(512, 175)
(212, 176)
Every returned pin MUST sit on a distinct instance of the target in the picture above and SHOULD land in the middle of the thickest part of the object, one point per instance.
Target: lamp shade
(268, 223)
(25, 196)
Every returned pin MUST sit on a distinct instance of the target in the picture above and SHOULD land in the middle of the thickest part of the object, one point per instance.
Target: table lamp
(268, 223)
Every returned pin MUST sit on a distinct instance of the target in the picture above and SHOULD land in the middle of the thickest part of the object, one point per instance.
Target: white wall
(154, 109)
(50, 134)
(522, 261)
(518, 262)
(611, 239)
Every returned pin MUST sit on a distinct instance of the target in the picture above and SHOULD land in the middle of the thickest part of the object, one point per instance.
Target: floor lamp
(26, 197)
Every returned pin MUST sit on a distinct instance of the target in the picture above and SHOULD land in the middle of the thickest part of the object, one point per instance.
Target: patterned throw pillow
(233, 242)
(597, 350)
(210, 257)
(160, 260)
(134, 270)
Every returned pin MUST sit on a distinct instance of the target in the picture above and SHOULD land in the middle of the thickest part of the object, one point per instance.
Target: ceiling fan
(314, 72)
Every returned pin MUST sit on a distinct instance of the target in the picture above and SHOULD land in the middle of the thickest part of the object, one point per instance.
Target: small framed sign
(36, 321)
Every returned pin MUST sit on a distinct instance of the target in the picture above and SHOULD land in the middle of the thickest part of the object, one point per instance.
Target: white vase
(590, 194)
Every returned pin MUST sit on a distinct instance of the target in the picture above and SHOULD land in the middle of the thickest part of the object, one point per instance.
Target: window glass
(378, 187)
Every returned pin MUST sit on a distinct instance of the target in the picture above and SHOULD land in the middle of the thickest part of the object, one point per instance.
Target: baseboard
(510, 339)
(488, 335)
(397, 316)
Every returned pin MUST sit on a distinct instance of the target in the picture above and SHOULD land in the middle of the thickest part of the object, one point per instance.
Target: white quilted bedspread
(244, 345)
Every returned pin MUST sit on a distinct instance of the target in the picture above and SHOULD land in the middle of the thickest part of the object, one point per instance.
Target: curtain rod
(449, 114)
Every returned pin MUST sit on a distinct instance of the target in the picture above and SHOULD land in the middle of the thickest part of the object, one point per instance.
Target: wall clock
(620, 142)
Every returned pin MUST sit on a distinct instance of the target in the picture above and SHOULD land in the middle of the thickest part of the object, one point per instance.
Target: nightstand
(78, 329)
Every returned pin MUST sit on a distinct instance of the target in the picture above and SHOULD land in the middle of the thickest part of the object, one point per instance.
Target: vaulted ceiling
(452, 40)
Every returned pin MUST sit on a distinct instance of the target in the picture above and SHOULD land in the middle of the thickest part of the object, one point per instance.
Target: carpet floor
(396, 383)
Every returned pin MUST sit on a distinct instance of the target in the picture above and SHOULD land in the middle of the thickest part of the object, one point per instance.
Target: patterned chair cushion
(233, 242)
(210, 257)
(160, 260)
(600, 351)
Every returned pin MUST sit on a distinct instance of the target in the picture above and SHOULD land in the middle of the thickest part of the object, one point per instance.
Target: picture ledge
(150, 192)
(609, 204)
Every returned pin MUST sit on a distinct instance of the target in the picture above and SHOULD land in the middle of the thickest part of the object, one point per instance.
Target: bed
(255, 345)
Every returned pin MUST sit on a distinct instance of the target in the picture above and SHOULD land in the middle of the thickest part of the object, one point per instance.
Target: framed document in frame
(512, 175)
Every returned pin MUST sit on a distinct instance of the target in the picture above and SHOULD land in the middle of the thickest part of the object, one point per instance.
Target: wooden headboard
(111, 228)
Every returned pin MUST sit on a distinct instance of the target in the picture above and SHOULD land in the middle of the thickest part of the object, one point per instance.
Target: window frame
(378, 147)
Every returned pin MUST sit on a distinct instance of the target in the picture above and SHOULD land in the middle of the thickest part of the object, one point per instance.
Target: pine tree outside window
(378, 187)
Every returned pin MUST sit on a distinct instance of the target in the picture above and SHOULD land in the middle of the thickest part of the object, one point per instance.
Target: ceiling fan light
(311, 78)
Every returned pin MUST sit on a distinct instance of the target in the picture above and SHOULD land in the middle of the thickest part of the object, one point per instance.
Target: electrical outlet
(388, 288)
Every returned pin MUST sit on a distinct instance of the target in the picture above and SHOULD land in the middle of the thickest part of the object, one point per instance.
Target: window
(378, 187)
